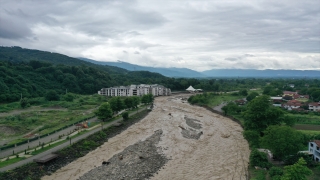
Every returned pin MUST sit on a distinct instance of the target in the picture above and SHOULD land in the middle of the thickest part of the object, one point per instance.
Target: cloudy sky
(200, 35)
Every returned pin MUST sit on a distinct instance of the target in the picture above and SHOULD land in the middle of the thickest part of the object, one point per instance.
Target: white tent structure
(191, 89)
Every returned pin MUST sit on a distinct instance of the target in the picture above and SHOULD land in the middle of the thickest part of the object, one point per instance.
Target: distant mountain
(17, 54)
(260, 73)
(169, 72)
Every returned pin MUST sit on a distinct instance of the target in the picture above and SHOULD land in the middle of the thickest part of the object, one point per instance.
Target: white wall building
(136, 90)
(315, 106)
(314, 148)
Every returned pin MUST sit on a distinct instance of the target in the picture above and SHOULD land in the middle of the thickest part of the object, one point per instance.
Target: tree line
(116, 104)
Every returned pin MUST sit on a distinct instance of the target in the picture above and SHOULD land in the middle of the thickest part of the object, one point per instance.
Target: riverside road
(47, 139)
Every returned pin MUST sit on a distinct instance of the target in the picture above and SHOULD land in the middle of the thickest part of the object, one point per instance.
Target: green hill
(32, 73)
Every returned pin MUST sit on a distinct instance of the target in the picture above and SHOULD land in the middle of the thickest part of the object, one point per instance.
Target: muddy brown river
(198, 143)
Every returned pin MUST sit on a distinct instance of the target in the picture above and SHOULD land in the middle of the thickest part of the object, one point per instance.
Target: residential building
(289, 93)
(136, 90)
(240, 102)
(292, 105)
(314, 148)
(297, 96)
(314, 106)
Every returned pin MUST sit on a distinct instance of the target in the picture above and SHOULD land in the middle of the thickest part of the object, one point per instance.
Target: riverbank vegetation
(269, 127)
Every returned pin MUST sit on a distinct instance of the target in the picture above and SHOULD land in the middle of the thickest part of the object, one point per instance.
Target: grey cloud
(231, 59)
(255, 34)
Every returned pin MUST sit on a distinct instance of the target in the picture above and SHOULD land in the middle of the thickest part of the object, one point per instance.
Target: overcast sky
(200, 35)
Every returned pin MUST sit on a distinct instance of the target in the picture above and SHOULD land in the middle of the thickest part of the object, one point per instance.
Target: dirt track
(220, 153)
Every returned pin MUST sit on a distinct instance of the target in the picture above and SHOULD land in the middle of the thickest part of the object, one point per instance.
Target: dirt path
(220, 152)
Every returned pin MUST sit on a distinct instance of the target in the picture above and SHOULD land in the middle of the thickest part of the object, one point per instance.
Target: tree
(52, 95)
(24, 102)
(259, 159)
(316, 95)
(275, 172)
(104, 112)
(144, 99)
(116, 104)
(297, 171)
(252, 95)
(252, 137)
(135, 101)
(147, 98)
(282, 141)
(230, 108)
(128, 102)
(290, 160)
(243, 92)
(260, 114)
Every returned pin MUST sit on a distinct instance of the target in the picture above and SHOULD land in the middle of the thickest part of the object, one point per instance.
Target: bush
(24, 103)
(292, 159)
(125, 115)
(52, 96)
(275, 171)
(259, 159)
(68, 97)
(252, 137)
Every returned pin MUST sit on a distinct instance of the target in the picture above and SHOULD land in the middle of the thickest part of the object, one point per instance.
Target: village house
(136, 90)
(314, 148)
(276, 101)
(240, 102)
(314, 106)
(289, 93)
(292, 105)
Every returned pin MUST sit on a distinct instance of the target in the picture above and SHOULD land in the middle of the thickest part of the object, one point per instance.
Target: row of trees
(116, 104)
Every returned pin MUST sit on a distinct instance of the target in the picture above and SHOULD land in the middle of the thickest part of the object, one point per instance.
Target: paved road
(28, 160)
(35, 143)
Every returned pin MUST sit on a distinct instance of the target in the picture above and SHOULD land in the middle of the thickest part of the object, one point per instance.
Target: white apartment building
(136, 90)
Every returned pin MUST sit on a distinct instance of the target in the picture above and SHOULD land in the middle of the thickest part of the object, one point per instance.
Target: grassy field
(305, 118)
(46, 117)
(310, 132)
(307, 127)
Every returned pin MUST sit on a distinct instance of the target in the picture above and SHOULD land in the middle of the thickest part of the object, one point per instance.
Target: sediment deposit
(194, 143)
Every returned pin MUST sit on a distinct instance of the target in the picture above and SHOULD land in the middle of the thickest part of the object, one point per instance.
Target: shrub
(52, 95)
(275, 171)
(125, 115)
(259, 159)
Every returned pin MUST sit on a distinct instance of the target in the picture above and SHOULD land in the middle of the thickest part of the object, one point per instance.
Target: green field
(310, 132)
(307, 127)
(47, 117)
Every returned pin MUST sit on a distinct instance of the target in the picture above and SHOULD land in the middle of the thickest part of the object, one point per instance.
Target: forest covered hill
(32, 73)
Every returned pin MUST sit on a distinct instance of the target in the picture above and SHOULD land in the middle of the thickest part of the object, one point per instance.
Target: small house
(314, 148)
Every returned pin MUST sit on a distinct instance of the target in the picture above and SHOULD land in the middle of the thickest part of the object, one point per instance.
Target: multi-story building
(136, 90)
(314, 148)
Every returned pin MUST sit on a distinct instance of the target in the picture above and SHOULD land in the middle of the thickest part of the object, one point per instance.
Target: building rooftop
(317, 142)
